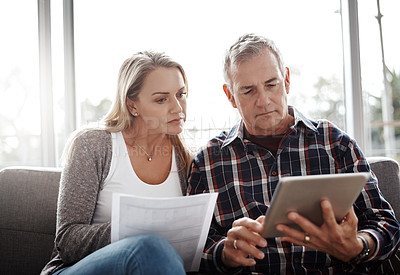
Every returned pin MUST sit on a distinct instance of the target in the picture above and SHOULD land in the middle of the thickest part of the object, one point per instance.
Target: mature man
(272, 140)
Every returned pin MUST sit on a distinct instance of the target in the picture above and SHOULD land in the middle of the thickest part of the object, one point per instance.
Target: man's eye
(248, 92)
(273, 84)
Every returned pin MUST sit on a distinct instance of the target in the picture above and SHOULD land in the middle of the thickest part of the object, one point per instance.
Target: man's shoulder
(213, 144)
(317, 125)
(327, 125)
(216, 141)
(328, 130)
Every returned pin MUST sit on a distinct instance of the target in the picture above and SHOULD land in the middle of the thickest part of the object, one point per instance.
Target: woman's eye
(181, 94)
(161, 100)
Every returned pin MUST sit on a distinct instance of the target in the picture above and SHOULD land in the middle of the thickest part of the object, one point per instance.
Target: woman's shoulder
(88, 141)
(93, 134)
(89, 135)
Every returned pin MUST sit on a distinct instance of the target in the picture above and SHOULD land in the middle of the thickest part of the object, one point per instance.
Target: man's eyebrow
(271, 80)
(247, 87)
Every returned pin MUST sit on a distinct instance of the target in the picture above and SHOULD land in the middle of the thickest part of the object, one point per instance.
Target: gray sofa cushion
(387, 172)
(28, 202)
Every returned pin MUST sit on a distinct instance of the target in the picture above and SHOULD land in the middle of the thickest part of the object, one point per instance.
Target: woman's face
(161, 103)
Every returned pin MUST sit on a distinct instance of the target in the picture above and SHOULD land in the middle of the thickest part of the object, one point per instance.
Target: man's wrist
(371, 242)
(220, 261)
(365, 252)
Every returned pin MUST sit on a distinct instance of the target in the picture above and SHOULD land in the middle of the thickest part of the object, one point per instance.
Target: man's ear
(131, 106)
(287, 80)
(229, 95)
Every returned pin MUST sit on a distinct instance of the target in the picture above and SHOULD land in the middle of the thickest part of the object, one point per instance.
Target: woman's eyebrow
(167, 93)
(160, 93)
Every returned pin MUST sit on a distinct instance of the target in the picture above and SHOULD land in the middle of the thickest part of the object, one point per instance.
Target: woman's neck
(151, 143)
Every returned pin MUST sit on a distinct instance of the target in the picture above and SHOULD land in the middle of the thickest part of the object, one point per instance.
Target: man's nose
(263, 98)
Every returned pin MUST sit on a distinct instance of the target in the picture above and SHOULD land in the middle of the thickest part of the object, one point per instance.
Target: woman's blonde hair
(131, 77)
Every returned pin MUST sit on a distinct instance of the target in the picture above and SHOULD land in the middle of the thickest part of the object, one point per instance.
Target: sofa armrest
(28, 203)
(387, 171)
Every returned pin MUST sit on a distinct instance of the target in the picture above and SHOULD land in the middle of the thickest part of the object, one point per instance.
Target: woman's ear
(229, 95)
(131, 106)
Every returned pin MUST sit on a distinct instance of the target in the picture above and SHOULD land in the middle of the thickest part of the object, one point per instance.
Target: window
(380, 68)
(20, 125)
(197, 33)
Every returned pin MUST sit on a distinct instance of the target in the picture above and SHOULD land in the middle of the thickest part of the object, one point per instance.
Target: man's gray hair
(246, 47)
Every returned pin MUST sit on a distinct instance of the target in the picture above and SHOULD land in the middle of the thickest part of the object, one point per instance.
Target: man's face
(259, 92)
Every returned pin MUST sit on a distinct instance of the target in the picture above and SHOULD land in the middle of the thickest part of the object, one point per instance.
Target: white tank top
(123, 179)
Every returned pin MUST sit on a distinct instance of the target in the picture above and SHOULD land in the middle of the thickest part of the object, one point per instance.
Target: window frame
(354, 114)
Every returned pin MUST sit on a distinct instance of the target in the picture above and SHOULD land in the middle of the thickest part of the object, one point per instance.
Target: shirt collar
(299, 117)
(237, 131)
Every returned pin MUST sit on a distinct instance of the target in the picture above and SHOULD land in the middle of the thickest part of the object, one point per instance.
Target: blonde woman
(138, 151)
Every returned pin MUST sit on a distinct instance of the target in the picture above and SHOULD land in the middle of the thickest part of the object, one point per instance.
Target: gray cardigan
(81, 181)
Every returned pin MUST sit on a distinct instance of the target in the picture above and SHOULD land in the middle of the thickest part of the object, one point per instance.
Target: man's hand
(338, 240)
(242, 240)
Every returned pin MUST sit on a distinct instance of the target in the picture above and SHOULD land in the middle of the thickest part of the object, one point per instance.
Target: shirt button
(296, 260)
(274, 173)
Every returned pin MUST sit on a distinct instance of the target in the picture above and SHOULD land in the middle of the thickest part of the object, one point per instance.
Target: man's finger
(248, 223)
(328, 214)
(304, 224)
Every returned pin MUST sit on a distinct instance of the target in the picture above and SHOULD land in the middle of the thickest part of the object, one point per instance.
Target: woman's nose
(177, 107)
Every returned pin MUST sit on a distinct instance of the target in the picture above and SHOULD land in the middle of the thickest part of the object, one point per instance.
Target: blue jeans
(143, 254)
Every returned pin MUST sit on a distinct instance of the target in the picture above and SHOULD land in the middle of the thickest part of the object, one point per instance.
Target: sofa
(28, 201)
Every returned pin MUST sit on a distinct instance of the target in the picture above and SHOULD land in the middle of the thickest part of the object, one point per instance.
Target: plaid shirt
(246, 175)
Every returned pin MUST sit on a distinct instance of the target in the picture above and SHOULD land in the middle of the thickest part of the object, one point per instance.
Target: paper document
(183, 221)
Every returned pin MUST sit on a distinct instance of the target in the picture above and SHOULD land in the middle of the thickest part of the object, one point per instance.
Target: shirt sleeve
(375, 214)
(80, 184)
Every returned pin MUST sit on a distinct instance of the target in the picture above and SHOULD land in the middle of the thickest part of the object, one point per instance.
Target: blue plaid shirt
(246, 175)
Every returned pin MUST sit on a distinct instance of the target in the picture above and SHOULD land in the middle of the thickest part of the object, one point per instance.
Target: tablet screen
(304, 194)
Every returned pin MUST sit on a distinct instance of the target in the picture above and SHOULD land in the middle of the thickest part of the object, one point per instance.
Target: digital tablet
(304, 194)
